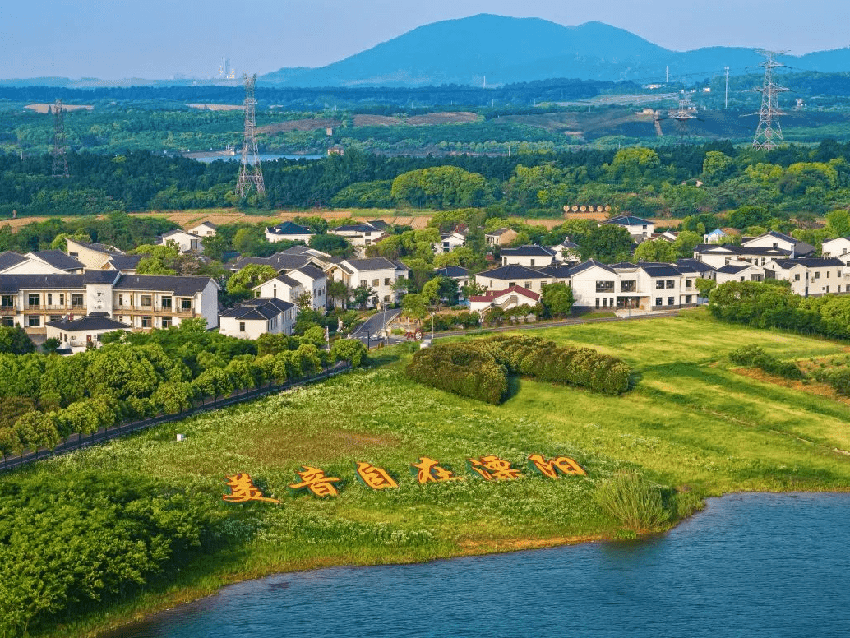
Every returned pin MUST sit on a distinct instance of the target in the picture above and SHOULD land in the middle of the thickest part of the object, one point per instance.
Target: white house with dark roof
(282, 287)
(839, 248)
(567, 252)
(500, 236)
(186, 242)
(162, 301)
(449, 242)
(359, 235)
(740, 271)
(255, 317)
(529, 256)
(313, 280)
(93, 256)
(288, 231)
(505, 277)
(639, 229)
(204, 229)
(43, 262)
(718, 255)
(813, 276)
(773, 239)
(377, 273)
(77, 335)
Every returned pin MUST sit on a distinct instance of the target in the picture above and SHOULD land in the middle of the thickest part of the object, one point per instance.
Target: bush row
(753, 356)
(479, 369)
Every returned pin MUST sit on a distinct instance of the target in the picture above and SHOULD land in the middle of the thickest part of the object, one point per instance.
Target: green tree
(14, 340)
(243, 282)
(557, 299)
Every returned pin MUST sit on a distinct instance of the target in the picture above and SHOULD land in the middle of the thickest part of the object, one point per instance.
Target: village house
(186, 242)
(839, 248)
(812, 277)
(448, 242)
(794, 248)
(528, 256)
(141, 301)
(281, 287)
(204, 229)
(255, 317)
(43, 262)
(77, 335)
(378, 273)
(288, 231)
(718, 255)
(639, 229)
(500, 237)
(512, 297)
(739, 271)
(508, 276)
(567, 252)
(359, 235)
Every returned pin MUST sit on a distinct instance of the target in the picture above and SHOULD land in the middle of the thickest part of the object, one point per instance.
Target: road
(372, 330)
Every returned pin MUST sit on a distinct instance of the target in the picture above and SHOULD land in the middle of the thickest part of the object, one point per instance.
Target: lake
(748, 565)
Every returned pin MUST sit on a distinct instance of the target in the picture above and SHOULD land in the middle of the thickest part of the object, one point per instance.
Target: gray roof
(284, 279)
(58, 259)
(527, 251)
(100, 276)
(95, 321)
(659, 270)
(9, 259)
(627, 220)
(355, 228)
(693, 265)
(558, 271)
(278, 261)
(513, 273)
(589, 264)
(452, 271)
(179, 285)
(125, 262)
(260, 309)
(810, 262)
(101, 248)
(742, 250)
(312, 272)
(376, 263)
(731, 270)
(15, 283)
(290, 228)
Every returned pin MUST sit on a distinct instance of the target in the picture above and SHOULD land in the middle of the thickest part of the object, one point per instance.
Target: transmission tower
(60, 159)
(769, 133)
(684, 114)
(250, 175)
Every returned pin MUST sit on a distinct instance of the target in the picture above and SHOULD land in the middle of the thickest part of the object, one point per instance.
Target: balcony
(8, 311)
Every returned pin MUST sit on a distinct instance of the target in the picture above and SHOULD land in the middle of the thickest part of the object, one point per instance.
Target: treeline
(479, 369)
(46, 398)
(679, 181)
(774, 305)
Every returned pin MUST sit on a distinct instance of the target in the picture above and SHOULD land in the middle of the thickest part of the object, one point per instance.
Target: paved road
(372, 330)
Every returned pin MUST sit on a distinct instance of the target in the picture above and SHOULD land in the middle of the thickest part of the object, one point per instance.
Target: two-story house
(812, 277)
(288, 231)
(378, 273)
(255, 317)
(528, 256)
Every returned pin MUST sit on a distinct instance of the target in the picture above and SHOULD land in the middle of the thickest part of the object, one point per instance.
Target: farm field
(691, 424)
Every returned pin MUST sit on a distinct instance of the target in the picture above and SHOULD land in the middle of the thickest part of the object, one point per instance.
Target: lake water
(263, 158)
(749, 565)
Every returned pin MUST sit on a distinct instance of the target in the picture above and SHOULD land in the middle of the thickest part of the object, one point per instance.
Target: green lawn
(690, 423)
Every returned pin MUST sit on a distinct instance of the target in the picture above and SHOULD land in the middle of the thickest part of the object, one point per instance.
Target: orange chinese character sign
(375, 477)
(553, 468)
(491, 467)
(429, 471)
(316, 482)
(242, 490)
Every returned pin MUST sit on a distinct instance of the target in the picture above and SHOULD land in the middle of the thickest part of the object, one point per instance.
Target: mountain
(496, 50)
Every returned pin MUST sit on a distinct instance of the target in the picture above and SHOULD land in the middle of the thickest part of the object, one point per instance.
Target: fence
(79, 441)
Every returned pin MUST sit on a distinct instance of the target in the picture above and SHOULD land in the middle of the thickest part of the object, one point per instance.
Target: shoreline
(189, 596)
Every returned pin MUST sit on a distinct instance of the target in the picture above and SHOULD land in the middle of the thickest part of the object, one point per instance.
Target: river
(748, 565)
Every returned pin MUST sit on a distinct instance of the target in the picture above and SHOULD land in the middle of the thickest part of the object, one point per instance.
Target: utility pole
(726, 103)
(60, 159)
(250, 174)
(769, 133)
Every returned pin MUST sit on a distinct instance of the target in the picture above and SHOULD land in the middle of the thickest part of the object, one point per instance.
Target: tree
(685, 243)
(414, 306)
(655, 250)
(439, 187)
(331, 244)
(15, 340)
(557, 299)
(338, 291)
(243, 282)
(304, 301)
(361, 295)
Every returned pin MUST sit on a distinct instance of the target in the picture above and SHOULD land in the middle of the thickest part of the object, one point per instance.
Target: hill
(496, 50)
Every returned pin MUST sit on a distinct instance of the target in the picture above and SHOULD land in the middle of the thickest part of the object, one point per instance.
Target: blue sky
(113, 39)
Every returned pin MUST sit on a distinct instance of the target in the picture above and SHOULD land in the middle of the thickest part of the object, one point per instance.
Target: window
(35, 300)
(61, 298)
(186, 304)
(166, 322)
(376, 282)
(671, 301)
(604, 286)
(166, 303)
(145, 301)
(55, 317)
(659, 285)
(797, 277)
(659, 301)
(8, 321)
(33, 321)
(49, 298)
(241, 326)
(532, 263)
(388, 281)
(817, 274)
(827, 274)
(827, 290)
(597, 302)
(386, 299)
(146, 322)
(120, 300)
(76, 300)
(688, 298)
(671, 283)
(527, 284)
(628, 286)
(7, 301)
(688, 283)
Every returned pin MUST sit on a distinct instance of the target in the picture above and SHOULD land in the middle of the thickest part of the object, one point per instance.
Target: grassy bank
(690, 423)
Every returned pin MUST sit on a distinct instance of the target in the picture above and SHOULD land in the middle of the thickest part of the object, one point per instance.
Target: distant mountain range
(495, 50)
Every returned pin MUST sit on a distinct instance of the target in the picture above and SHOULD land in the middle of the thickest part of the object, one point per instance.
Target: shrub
(635, 502)
(753, 356)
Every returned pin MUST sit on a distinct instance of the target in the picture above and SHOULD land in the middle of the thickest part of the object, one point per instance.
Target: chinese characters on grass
(315, 481)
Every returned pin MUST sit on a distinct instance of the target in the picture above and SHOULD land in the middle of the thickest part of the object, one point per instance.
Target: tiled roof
(693, 265)
(9, 259)
(179, 285)
(95, 321)
(590, 263)
(627, 220)
(513, 273)
(15, 283)
(809, 262)
(289, 228)
(58, 259)
(257, 309)
(660, 270)
(491, 295)
(374, 263)
(452, 271)
(312, 272)
(527, 251)
(125, 262)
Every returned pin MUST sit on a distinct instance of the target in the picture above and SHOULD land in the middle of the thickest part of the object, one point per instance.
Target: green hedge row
(753, 356)
(479, 369)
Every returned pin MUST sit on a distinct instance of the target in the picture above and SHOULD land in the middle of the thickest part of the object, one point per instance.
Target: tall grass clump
(753, 356)
(635, 502)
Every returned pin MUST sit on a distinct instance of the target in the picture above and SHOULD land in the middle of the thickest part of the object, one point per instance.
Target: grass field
(691, 424)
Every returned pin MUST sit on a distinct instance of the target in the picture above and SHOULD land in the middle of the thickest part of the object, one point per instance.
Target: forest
(674, 181)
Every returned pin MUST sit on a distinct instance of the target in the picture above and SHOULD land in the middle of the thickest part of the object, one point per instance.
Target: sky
(161, 39)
